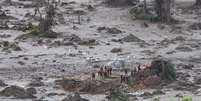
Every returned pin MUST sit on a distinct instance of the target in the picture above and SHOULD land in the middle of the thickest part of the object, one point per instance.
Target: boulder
(2, 84)
(16, 92)
(116, 50)
(109, 30)
(146, 95)
(88, 42)
(31, 91)
(131, 38)
(36, 83)
(75, 97)
(72, 38)
(195, 26)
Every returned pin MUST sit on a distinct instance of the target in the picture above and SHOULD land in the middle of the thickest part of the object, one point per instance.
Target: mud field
(105, 35)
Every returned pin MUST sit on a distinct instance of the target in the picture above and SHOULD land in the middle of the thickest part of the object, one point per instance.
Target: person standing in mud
(101, 72)
(125, 71)
(139, 67)
(110, 71)
(93, 76)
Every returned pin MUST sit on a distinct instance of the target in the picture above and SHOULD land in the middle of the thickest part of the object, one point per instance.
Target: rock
(17, 92)
(189, 66)
(179, 38)
(90, 8)
(131, 38)
(68, 43)
(166, 42)
(88, 42)
(73, 38)
(21, 63)
(179, 95)
(195, 26)
(186, 86)
(75, 97)
(116, 40)
(113, 31)
(3, 15)
(197, 80)
(146, 95)
(79, 12)
(184, 48)
(116, 50)
(145, 25)
(36, 83)
(2, 84)
(69, 84)
(161, 26)
(31, 91)
(10, 46)
(109, 30)
(170, 52)
(158, 92)
(55, 94)
(120, 2)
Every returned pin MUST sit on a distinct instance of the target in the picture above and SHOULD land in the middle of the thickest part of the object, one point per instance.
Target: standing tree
(198, 2)
(9, 2)
(47, 22)
(163, 10)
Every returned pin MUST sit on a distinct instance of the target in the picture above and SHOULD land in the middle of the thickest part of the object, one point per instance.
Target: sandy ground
(48, 62)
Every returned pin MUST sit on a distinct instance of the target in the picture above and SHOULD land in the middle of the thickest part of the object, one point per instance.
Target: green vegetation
(187, 98)
(117, 95)
(139, 13)
(35, 32)
(167, 69)
(169, 72)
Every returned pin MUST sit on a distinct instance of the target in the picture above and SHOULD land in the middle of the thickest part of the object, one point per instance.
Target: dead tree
(163, 10)
(8, 2)
(198, 3)
(47, 22)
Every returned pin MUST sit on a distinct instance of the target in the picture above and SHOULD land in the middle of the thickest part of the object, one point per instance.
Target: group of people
(139, 73)
(104, 72)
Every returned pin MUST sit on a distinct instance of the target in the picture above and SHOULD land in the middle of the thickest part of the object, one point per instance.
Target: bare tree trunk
(145, 6)
(163, 10)
(8, 2)
(198, 2)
